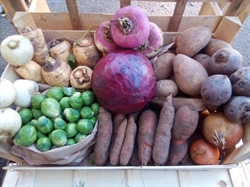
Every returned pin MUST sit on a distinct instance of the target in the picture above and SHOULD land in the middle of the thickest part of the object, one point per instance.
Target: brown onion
(220, 131)
(204, 153)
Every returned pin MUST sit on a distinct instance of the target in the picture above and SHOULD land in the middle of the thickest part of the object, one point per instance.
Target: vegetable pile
(185, 103)
(60, 117)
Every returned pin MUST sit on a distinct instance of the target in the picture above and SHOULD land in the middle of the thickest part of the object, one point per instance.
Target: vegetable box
(219, 16)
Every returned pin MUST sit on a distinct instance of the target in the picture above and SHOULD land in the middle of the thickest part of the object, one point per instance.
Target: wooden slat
(74, 14)
(228, 28)
(237, 6)
(125, 3)
(177, 16)
(12, 6)
(39, 6)
(211, 8)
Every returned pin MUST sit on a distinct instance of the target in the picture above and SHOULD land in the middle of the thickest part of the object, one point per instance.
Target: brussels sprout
(58, 137)
(88, 97)
(84, 126)
(33, 122)
(86, 112)
(43, 144)
(59, 123)
(26, 115)
(70, 141)
(95, 108)
(39, 135)
(71, 130)
(64, 103)
(69, 91)
(37, 100)
(26, 136)
(55, 92)
(93, 120)
(71, 114)
(76, 100)
(80, 137)
(44, 125)
(50, 107)
(37, 113)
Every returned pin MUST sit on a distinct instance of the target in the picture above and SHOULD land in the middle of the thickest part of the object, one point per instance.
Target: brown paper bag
(66, 155)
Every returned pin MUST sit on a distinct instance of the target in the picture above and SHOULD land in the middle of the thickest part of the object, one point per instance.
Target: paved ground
(241, 41)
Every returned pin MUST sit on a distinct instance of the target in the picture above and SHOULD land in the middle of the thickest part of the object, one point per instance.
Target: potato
(225, 61)
(163, 66)
(237, 109)
(216, 90)
(204, 59)
(192, 40)
(189, 74)
(166, 87)
(241, 81)
(214, 45)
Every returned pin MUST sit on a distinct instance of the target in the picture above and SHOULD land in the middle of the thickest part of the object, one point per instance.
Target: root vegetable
(17, 50)
(240, 81)
(215, 45)
(56, 72)
(192, 40)
(80, 78)
(163, 66)
(163, 132)
(177, 151)
(220, 131)
(203, 153)
(31, 71)
(25, 90)
(86, 52)
(204, 60)
(146, 134)
(216, 90)
(7, 93)
(103, 138)
(225, 61)
(118, 142)
(185, 123)
(166, 87)
(130, 27)
(189, 74)
(237, 109)
(154, 43)
(10, 123)
(35, 35)
(134, 160)
(103, 39)
(60, 48)
(129, 141)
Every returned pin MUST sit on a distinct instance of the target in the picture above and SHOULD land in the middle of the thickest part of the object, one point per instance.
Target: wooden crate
(223, 17)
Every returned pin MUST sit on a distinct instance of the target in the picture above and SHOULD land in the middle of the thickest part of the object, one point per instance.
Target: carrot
(134, 160)
(146, 132)
(116, 149)
(163, 132)
(117, 119)
(177, 151)
(103, 138)
(185, 122)
(129, 141)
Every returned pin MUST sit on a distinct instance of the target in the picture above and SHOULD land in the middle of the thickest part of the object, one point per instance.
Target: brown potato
(166, 87)
(192, 40)
(163, 66)
(189, 74)
(214, 45)
(204, 59)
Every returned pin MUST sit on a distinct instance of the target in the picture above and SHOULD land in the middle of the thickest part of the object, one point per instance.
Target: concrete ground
(241, 41)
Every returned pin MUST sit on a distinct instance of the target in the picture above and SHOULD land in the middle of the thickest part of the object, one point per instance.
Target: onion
(154, 43)
(17, 50)
(130, 27)
(103, 39)
(7, 93)
(124, 81)
(25, 90)
(220, 131)
(203, 153)
(10, 123)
